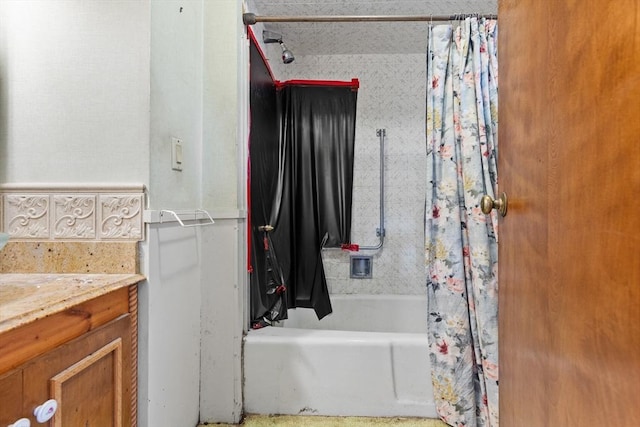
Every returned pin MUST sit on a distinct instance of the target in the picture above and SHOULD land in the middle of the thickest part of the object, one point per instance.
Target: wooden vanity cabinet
(86, 377)
(92, 376)
(10, 397)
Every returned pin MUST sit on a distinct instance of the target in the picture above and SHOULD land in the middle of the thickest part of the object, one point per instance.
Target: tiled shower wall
(392, 97)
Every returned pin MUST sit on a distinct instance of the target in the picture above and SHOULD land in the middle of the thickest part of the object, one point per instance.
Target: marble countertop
(27, 297)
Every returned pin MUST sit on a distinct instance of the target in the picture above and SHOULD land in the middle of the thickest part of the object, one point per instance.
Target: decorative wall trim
(73, 212)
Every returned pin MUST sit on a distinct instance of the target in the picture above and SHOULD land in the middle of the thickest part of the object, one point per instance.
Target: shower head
(271, 37)
(287, 56)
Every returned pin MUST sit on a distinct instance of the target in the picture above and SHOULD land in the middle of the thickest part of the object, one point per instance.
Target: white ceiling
(360, 37)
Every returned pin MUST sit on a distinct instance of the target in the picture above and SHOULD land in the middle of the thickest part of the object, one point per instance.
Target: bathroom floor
(318, 421)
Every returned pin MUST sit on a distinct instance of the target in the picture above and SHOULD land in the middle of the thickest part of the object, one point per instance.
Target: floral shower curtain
(460, 241)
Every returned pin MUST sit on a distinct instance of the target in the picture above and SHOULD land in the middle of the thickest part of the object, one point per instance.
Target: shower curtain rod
(252, 18)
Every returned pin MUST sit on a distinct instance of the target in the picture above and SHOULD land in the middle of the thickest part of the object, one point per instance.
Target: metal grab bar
(380, 231)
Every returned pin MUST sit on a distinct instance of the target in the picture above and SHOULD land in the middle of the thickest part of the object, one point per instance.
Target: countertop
(27, 297)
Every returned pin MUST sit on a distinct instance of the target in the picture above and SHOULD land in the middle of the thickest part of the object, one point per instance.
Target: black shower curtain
(267, 304)
(317, 134)
(301, 190)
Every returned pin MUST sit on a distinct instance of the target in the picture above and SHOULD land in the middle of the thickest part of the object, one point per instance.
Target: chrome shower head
(271, 37)
(287, 55)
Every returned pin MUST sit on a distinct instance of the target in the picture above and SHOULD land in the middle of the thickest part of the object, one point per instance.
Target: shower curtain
(301, 183)
(317, 137)
(461, 250)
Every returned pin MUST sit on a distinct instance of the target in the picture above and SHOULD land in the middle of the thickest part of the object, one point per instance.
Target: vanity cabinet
(10, 397)
(91, 375)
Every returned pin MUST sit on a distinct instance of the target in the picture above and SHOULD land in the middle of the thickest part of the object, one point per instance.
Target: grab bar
(380, 231)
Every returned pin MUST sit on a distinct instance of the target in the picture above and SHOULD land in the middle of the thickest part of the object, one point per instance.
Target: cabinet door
(10, 397)
(90, 378)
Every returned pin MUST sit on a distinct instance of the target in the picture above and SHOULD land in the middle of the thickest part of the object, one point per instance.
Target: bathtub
(368, 358)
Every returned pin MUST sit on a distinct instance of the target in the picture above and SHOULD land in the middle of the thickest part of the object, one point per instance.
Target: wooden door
(569, 266)
(89, 377)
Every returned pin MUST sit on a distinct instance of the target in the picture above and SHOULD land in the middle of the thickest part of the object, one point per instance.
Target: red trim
(252, 37)
(350, 247)
(249, 232)
(353, 84)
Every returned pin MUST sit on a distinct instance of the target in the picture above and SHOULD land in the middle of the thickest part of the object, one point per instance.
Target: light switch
(176, 154)
(179, 154)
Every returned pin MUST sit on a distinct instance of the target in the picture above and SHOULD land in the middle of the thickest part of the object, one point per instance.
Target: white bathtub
(368, 358)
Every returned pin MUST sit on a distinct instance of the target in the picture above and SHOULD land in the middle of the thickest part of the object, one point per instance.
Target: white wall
(224, 274)
(191, 324)
(391, 96)
(196, 49)
(169, 328)
(169, 348)
(196, 64)
(176, 102)
(224, 132)
(74, 98)
(223, 301)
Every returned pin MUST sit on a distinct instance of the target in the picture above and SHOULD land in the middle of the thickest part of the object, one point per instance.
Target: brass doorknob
(487, 203)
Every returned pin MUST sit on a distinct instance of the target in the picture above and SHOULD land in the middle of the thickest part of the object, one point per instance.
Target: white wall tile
(74, 216)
